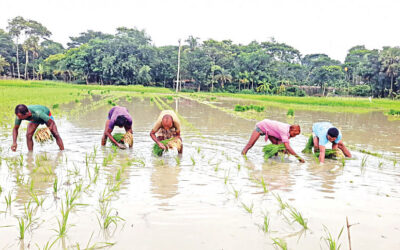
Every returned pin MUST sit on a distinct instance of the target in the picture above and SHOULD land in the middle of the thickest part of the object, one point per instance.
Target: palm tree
(30, 44)
(223, 77)
(390, 59)
(264, 86)
(15, 28)
(243, 78)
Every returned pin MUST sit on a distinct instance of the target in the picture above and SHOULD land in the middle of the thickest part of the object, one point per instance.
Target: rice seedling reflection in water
(281, 243)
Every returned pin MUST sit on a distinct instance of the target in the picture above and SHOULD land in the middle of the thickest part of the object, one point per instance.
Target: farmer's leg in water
(253, 138)
(30, 131)
(53, 129)
(316, 143)
(342, 147)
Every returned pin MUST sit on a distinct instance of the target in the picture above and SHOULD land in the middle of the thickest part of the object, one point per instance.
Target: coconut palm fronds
(43, 135)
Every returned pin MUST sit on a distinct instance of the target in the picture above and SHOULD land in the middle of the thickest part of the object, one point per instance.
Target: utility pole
(179, 64)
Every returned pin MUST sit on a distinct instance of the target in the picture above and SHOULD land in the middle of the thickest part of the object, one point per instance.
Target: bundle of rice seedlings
(290, 113)
(309, 146)
(128, 139)
(159, 151)
(43, 135)
(271, 150)
(329, 153)
(175, 143)
(118, 137)
(124, 138)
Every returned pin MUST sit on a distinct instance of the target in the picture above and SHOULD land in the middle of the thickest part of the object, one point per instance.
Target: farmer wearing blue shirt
(324, 132)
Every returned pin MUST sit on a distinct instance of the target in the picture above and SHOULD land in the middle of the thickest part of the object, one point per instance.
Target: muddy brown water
(190, 201)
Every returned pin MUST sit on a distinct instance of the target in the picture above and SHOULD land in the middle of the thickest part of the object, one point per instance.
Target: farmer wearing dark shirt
(118, 116)
(36, 115)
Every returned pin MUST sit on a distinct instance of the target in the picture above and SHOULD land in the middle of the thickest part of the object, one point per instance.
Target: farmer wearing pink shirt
(276, 132)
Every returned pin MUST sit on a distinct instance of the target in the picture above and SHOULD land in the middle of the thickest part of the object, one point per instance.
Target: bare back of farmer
(276, 132)
(167, 126)
(117, 116)
(324, 132)
(36, 115)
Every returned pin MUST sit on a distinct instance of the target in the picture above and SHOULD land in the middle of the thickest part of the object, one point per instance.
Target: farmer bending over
(117, 116)
(276, 132)
(36, 115)
(167, 126)
(324, 132)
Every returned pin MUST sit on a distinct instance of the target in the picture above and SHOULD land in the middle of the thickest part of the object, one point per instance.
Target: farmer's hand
(316, 149)
(121, 146)
(14, 147)
(161, 146)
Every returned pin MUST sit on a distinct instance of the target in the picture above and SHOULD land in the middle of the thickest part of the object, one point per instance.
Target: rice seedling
(177, 160)
(364, 161)
(8, 199)
(380, 164)
(193, 160)
(55, 185)
(266, 223)
(43, 135)
(264, 185)
(290, 113)
(21, 160)
(22, 226)
(36, 199)
(248, 209)
(1, 189)
(28, 213)
(62, 224)
(343, 161)
(297, 217)
(283, 205)
(198, 150)
(118, 175)
(236, 192)
(226, 177)
(271, 150)
(330, 241)
(55, 106)
(106, 219)
(97, 245)
(157, 151)
(394, 112)
(240, 108)
(281, 243)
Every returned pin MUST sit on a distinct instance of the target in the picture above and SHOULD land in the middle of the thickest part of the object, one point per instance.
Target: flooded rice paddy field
(210, 197)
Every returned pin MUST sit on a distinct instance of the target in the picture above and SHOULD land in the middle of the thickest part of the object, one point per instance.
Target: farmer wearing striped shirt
(277, 133)
(324, 132)
(36, 115)
(117, 116)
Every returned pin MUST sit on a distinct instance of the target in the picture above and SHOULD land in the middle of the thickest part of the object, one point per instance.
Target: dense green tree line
(128, 57)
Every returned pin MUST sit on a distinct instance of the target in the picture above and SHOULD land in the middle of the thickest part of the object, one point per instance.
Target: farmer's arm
(291, 151)
(15, 136)
(154, 137)
(253, 138)
(53, 129)
(321, 154)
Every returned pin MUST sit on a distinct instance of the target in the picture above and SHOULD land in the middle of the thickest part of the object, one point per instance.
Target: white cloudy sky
(311, 26)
